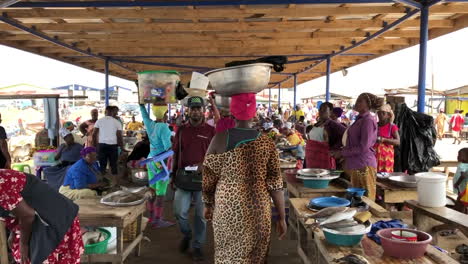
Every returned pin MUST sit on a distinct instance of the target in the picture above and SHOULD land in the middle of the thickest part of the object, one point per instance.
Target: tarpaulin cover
(417, 140)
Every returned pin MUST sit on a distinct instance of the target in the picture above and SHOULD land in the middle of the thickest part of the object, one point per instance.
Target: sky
(396, 70)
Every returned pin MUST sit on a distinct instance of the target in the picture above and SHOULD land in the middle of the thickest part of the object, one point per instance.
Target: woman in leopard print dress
(241, 173)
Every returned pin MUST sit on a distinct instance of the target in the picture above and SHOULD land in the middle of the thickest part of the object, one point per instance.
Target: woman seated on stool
(81, 180)
(69, 152)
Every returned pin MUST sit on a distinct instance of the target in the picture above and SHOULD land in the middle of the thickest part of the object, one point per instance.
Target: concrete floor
(163, 247)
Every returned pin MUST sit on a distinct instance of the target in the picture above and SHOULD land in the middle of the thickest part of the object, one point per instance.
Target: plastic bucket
(100, 247)
(157, 87)
(431, 188)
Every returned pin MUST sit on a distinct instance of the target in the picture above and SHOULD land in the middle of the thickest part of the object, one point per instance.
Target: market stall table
(94, 214)
(313, 248)
(393, 194)
(300, 225)
(297, 190)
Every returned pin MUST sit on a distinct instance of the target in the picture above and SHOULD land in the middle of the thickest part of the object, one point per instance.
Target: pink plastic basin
(404, 249)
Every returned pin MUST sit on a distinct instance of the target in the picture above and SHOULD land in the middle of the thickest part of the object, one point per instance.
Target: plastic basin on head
(316, 184)
(403, 249)
(342, 239)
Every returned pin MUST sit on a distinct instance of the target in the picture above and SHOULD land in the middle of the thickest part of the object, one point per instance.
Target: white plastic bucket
(431, 189)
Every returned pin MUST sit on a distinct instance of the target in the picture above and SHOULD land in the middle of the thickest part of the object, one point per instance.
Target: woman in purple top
(358, 142)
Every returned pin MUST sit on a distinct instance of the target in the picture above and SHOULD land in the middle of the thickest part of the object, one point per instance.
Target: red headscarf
(243, 106)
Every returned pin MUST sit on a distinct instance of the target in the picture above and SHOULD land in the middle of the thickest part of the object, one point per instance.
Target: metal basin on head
(250, 78)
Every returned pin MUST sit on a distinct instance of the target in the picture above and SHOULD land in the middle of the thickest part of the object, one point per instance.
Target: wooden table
(447, 164)
(393, 194)
(297, 190)
(312, 247)
(300, 225)
(94, 214)
(422, 217)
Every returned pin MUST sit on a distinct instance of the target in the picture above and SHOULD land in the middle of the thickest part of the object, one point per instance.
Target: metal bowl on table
(408, 181)
(250, 78)
(313, 172)
(387, 175)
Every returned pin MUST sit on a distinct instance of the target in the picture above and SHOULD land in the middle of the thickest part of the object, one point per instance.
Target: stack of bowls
(316, 178)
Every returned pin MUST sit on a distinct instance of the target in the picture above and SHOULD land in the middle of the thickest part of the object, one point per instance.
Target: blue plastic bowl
(342, 240)
(324, 202)
(356, 191)
(316, 184)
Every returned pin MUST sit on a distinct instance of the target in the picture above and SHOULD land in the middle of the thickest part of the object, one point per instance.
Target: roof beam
(136, 3)
(298, 26)
(410, 3)
(7, 3)
(33, 31)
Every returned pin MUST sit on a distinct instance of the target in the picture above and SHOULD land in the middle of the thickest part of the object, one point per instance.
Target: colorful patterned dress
(237, 183)
(71, 247)
(385, 153)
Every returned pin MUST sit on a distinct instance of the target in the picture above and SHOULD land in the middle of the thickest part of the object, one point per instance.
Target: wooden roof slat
(174, 13)
(245, 30)
(244, 26)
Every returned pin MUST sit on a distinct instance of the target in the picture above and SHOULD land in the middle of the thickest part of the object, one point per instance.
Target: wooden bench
(422, 217)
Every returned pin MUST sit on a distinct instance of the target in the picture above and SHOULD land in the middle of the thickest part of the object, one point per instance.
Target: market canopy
(191, 36)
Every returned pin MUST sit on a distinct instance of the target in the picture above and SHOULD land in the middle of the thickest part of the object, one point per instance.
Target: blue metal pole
(295, 90)
(269, 100)
(279, 95)
(148, 106)
(424, 33)
(327, 87)
(106, 69)
(169, 113)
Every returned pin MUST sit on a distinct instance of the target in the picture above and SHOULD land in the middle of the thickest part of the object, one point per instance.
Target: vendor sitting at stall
(69, 152)
(139, 153)
(81, 179)
(295, 139)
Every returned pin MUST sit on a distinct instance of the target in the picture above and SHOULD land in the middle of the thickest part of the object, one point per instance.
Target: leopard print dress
(237, 184)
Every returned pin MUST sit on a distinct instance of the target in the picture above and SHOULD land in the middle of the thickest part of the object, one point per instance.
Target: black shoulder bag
(186, 180)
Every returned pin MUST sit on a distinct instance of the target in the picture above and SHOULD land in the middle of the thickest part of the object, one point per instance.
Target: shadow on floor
(163, 247)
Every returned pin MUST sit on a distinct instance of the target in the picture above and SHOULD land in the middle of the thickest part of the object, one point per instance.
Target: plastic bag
(417, 139)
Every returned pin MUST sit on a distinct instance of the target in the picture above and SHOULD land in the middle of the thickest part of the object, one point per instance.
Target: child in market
(460, 181)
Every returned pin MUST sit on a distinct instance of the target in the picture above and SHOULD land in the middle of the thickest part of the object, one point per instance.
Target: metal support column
(279, 95)
(295, 91)
(169, 113)
(327, 86)
(423, 37)
(148, 107)
(269, 100)
(106, 69)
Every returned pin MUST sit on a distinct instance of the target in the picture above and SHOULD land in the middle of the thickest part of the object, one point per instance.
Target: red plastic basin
(291, 176)
(404, 249)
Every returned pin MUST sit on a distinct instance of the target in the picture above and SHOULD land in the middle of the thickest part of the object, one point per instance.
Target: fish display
(327, 212)
(341, 224)
(359, 228)
(352, 259)
(339, 216)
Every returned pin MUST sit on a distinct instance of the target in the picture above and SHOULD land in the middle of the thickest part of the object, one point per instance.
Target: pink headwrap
(224, 124)
(243, 106)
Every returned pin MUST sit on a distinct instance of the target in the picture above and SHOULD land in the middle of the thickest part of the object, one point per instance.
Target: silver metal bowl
(404, 181)
(250, 78)
(222, 101)
(313, 172)
(140, 177)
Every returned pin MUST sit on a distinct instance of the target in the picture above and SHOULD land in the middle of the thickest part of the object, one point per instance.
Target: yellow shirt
(298, 114)
(133, 126)
(295, 140)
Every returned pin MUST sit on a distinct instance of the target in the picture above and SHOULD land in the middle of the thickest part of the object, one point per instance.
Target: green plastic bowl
(316, 184)
(342, 239)
(101, 247)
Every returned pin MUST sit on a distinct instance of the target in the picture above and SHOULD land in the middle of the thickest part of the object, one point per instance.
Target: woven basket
(130, 232)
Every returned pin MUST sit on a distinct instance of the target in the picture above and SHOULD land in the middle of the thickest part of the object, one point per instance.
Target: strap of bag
(179, 155)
